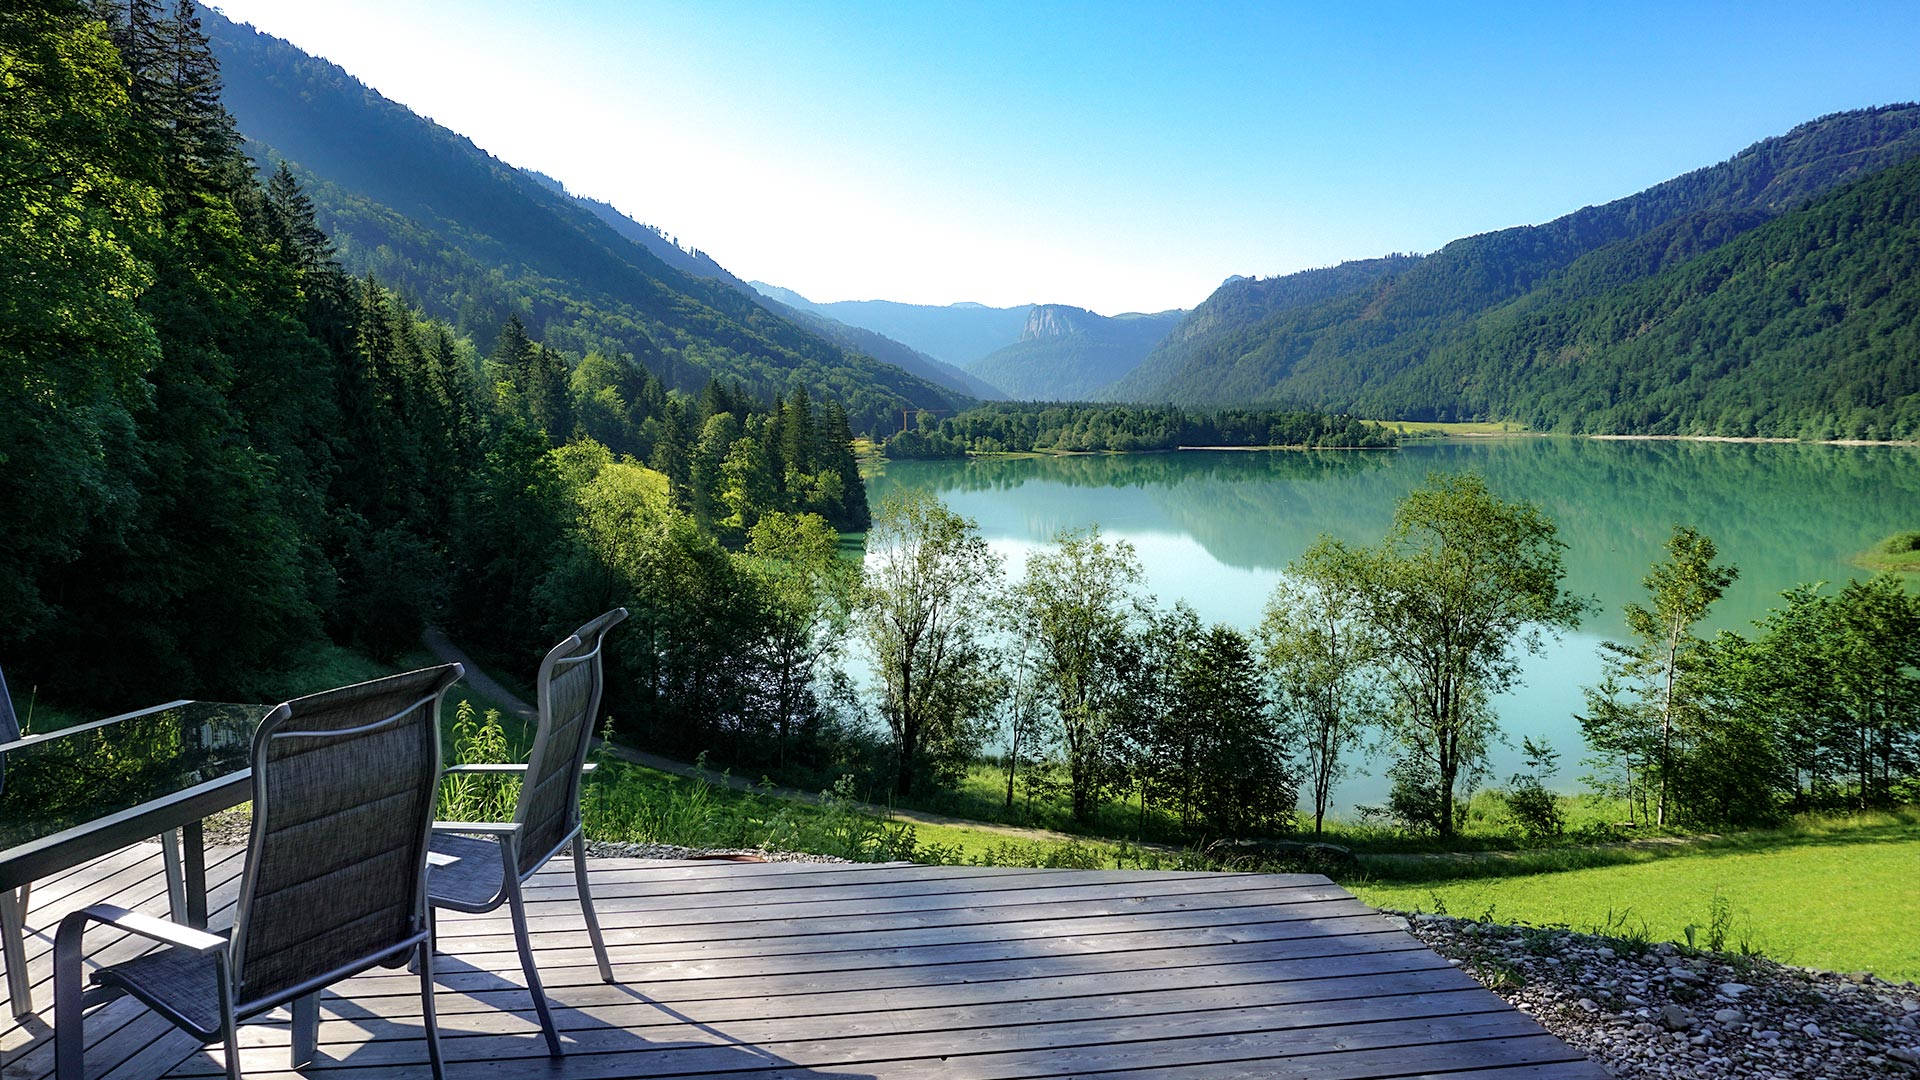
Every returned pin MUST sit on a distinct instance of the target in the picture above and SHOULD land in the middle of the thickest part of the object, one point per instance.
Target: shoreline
(1751, 439)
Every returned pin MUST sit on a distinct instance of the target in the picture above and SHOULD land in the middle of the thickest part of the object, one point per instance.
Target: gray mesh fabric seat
(335, 880)
(479, 866)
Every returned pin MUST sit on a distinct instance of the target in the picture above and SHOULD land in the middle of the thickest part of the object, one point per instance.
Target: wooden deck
(810, 970)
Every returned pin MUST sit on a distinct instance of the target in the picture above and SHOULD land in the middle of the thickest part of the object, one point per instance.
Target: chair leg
(13, 951)
(433, 935)
(306, 1029)
(424, 960)
(586, 905)
(518, 908)
(69, 1012)
(229, 1025)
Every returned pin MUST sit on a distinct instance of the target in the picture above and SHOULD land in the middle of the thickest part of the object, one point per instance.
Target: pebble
(1626, 1005)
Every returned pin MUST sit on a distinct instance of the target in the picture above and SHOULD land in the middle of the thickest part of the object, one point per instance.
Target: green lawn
(1845, 900)
(1431, 428)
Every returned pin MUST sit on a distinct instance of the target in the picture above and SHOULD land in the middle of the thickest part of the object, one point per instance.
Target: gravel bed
(1668, 1011)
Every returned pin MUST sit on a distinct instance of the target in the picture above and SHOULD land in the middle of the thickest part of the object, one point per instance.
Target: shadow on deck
(829, 970)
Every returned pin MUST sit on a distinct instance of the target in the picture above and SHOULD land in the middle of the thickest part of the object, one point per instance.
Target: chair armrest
(161, 930)
(487, 828)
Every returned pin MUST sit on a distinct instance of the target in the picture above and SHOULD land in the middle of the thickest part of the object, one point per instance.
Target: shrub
(1535, 810)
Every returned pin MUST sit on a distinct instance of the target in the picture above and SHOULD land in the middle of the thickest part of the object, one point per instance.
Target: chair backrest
(569, 687)
(343, 798)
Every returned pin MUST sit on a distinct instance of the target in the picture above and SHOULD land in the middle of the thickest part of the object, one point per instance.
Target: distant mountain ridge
(957, 334)
(1072, 354)
(1502, 323)
(472, 239)
(885, 349)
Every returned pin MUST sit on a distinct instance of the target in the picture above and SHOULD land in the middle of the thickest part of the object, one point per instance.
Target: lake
(1217, 527)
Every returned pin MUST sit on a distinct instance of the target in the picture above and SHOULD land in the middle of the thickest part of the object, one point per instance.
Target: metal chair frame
(228, 953)
(514, 870)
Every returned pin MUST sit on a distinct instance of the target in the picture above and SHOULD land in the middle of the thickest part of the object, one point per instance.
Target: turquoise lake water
(1217, 528)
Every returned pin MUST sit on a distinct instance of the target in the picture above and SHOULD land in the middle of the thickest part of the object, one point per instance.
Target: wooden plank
(499, 1036)
(589, 1006)
(650, 898)
(826, 903)
(817, 970)
(1347, 1050)
(689, 925)
(1305, 953)
(882, 953)
(643, 945)
(1582, 1069)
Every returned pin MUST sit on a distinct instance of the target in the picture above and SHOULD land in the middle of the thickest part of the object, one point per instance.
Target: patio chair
(479, 866)
(335, 880)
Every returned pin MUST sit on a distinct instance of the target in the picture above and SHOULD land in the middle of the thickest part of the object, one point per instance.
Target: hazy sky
(1117, 156)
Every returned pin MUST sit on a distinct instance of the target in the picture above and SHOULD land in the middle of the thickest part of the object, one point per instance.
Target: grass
(981, 796)
(1829, 892)
(625, 802)
(1900, 552)
(1432, 429)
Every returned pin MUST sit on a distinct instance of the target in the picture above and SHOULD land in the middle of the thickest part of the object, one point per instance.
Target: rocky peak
(1055, 321)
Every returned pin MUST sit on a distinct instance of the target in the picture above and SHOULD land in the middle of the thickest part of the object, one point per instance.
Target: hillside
(1447, 337)
(1071, 354)
(472, 239)
(1807, 326)
(690, 261)
(957, 334)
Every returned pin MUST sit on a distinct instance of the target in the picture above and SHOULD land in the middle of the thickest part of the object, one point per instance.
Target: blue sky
(1117, 156)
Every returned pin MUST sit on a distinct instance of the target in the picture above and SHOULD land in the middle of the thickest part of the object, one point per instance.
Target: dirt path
(443, 647)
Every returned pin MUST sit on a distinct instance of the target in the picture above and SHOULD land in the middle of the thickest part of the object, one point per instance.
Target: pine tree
(799, 435)
(303, 244)
(549, 401)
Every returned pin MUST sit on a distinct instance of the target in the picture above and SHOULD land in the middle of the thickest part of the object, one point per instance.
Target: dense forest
(1771, 294)
(222, 450)
(473, 240)
(1022, 427)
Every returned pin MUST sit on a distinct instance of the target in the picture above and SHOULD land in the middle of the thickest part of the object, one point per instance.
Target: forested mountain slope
(1420, 342)
(958, 334)
(1071, 354)
(687, 260)
(1807, 326)
(1241, 313)
(472, 240)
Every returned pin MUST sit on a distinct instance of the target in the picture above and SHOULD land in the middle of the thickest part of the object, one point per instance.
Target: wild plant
(478, 796)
